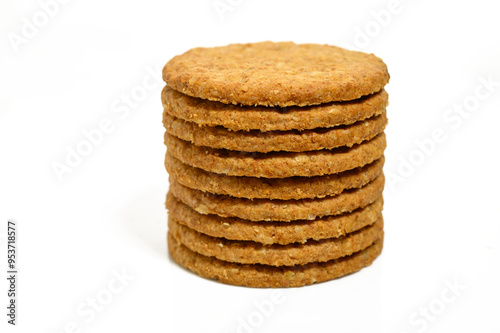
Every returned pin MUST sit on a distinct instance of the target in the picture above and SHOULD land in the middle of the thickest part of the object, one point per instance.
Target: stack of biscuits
(275, 154)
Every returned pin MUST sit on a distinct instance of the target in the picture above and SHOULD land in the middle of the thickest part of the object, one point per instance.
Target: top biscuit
(276, 74)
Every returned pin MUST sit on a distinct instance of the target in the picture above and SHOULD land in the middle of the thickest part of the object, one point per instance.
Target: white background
(107, 215)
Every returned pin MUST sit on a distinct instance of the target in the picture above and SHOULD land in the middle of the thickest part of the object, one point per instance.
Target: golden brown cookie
(264, 276)
(278, 210)
(264, 142)
(265, 188)
(236, 118)
(274, 232)
(277, 164)
(247, 252)
(276, 74)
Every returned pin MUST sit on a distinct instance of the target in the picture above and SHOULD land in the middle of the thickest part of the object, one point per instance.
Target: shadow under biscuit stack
(275, 154)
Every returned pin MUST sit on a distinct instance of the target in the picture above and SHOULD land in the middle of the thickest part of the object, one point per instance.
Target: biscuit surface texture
(265, 276)
(236, 118)
(277, 164)
(278, 210)
(276, 74)
(247, 252)
(272, 188)
(274, 232)
(264, 142)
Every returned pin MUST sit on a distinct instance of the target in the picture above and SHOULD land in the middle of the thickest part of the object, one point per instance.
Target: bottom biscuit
(263, 276)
